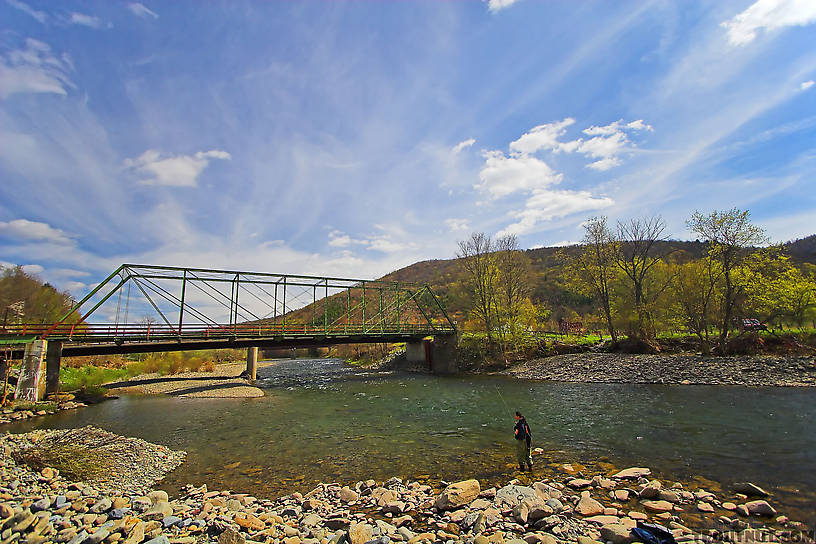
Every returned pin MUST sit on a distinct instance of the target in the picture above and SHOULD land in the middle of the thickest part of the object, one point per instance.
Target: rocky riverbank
(764, 370)
(225, 381)
(39, 505)
(29, 410)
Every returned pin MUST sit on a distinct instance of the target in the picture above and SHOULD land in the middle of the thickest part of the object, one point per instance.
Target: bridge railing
(154, 332)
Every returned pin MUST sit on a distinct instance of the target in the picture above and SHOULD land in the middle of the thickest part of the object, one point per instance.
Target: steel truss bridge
(146, 308)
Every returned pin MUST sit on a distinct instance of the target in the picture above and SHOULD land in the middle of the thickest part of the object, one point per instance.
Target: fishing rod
(502, 398)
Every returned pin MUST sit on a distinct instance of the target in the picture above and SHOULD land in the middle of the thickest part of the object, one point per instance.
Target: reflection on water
(323, 421)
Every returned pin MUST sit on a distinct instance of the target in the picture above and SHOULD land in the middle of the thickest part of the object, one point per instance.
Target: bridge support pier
(28, 384)
(443, 360)
(415, 351)
(252, 364)
(53, 360)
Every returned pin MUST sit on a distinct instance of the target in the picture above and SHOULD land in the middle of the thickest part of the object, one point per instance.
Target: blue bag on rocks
(650, 533)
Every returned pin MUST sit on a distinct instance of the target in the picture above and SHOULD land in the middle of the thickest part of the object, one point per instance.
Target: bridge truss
(147, 304)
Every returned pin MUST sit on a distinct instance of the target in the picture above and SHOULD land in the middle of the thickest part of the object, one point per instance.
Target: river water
(324, 421)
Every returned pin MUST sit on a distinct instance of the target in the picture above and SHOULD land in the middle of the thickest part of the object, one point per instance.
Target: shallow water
(323, 421)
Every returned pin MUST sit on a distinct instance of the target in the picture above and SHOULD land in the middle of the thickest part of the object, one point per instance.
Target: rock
(511, 495)
(137, 533)
(458, 494)
(638, 515)
(231, 536)
(395, 507)
(651, 491)
(42, 504)
(603, 520)
(102, 506)
(579, 483)
(158, 511)
(118, 513)
(348, 495)
(742, 510)
(632, 473)
(158, 496)
(752, 490)
(729, 506)
(616, 533)
(336, 524)
(170, 521)
(521, 511)
(6, 510)
(48, 473)
(546, 491)
(360, 533)
(161, 539)
(760, 508)
(120, 502)
(587, 506)
(587, 540)
(538, 511)
(621, 495)
(705, 507)
(658, 507)
(670, 496)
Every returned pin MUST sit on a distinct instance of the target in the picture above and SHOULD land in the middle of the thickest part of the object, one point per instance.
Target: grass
(77, 463)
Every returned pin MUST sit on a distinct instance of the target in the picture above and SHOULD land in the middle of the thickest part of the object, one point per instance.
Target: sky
(352, 138)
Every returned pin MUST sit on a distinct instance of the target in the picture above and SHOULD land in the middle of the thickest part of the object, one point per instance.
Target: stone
(42, 504)
(555, 504)
(521, 511)
(102, 506)
(603, 520)
(538, 511)
(705, 507)
(348, 495)
(587, 506)
(632, 473)
(751, 490)
(510, 496)
(170, 521)
(760, 508)
(335, 524)
(158, 496)
(579, 483)
(161, 539)
(616, 533)
(136, 533)
(120, 502)
(546, 491)
(587, 540)
(231, 536)
(458, 494)
(658, 507)
(651, 491)
(670, 496)
(360, 533)
(729, 506)
(158, 511)
(48, 473)
(621, 495)
(395, 507)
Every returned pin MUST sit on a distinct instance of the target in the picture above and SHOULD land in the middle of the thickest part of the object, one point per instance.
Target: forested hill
(445, 276)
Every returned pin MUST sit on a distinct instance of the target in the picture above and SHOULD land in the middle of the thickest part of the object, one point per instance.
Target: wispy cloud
(805, 85)
(34, 69)
(457, 225)
(40, 16)
(156, 168)
(86, 20)
(25, 230)
(141, 10)
(497, 5)
(768, 15)
(463, 145)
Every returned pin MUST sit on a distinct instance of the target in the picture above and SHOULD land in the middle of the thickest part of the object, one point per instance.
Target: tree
(695, 287)
(478, 257)
(635, 258)
(594, 266)
(513, 283)
(729, 235)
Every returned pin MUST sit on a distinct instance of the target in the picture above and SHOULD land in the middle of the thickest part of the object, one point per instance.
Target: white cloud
(806, 85)
(498, 5)
(603, 165)
(462, 145)
(502, 175)
(140, 10)
(339, 239)
(32, 269)
(41, 16)
(86, 20)
(547, 204)
(457, 224)
(34, 69)
(769, 15)
(172, 170)
(23, 229)
(541, 137)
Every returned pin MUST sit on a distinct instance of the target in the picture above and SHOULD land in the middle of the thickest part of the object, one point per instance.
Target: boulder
(458, 494)
(348, 495)
(705, 507)
(651, 491)
(616, 533)
(360, 533)
(670, 496)
(752, 490)
(511, 495)
(760, 508)
(658, 507)
(587, 506)
(632, 473)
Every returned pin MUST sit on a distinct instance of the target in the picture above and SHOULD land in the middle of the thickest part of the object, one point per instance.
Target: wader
(524, 454)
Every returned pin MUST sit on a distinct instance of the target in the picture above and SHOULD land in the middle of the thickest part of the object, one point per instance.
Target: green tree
(695, 288)
(513, 286)
(729, 236)
(479, 260)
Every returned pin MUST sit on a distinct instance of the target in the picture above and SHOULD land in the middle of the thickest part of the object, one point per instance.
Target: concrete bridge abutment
(443, 354)
(28, 383)
(252, 364)
(53, 361)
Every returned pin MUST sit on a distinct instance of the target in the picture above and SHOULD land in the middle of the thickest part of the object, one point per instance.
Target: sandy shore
(223, 382)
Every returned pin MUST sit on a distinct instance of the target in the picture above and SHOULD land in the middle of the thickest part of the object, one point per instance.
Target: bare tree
(513, 280)
(478, 257)
(596, 266)
(729, 235)
(635, 257)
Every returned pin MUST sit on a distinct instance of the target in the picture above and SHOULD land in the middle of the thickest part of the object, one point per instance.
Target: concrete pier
(443, 355)
(53, 359)
(28, 384)
(252, 364)
(415, 352)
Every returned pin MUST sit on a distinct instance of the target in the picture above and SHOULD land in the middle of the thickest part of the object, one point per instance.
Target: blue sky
(354, 138)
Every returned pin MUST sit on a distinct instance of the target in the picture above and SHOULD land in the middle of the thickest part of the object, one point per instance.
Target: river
(322, 420)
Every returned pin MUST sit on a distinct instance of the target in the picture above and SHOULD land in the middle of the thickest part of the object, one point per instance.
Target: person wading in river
(523, 438)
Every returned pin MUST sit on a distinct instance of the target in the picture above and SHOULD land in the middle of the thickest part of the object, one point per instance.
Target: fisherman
(523, 438)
